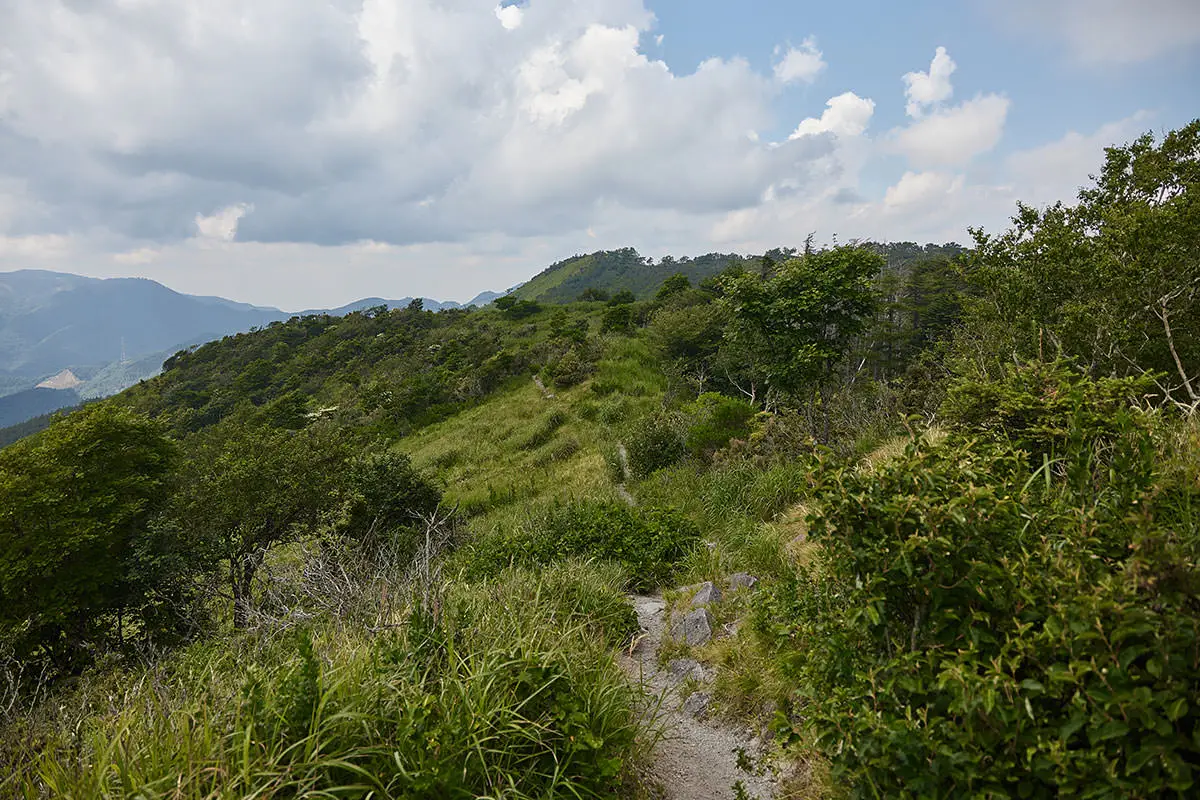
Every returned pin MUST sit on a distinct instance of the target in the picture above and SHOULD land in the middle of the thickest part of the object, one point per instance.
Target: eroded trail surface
(696, 760)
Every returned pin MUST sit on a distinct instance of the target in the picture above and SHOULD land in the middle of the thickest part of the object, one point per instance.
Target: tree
(1112, 281)
(388, 494)
(800, 323)
(672, 286)
(246, 489)
(74, 502)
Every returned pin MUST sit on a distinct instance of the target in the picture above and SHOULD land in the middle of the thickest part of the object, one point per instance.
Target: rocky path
(696, 759)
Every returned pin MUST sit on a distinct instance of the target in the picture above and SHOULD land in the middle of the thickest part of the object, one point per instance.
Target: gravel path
(696, 759)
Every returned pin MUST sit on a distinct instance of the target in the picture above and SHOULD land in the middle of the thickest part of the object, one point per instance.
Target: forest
(391, 554)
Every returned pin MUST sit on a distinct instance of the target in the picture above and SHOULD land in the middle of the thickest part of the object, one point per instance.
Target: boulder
(704, 593)
(697, 704)
(681, 668)
(694, 628)
(742, 580)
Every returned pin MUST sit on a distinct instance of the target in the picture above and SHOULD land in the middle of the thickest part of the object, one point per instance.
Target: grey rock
(694, 628)
(704, 594)
(697, 704)
(682, 668)
(742, 580)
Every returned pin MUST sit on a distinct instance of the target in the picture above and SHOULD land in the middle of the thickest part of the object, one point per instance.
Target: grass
(520, 449)
(512, 692)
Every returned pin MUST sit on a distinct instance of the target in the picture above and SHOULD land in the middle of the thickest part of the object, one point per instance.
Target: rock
(742, 580)
(682, 668)
(704, 594)
(694, 628)
(697, 704)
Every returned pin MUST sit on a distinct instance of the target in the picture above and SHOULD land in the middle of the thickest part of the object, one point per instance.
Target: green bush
(975, 628)
(654, 442)
(714, 420)
(647, 542)
(1043, 408)
(617, 319)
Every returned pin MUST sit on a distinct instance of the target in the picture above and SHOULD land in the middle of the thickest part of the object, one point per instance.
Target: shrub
(387, 494)
(978, 629)
(654, 442)
(1043, 408)
(617, 319)
(647, 542)
(714, 420)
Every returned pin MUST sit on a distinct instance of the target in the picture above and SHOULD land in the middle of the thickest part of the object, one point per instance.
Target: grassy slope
(507, 454)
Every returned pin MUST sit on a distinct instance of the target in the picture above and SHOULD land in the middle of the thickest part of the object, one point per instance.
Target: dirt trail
(622, 489)
(696, 759)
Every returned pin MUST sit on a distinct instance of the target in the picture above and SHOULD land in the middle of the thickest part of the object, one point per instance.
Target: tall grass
(507, 689)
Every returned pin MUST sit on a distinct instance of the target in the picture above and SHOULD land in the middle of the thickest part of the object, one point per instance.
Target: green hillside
(922, 520)
(613, 270)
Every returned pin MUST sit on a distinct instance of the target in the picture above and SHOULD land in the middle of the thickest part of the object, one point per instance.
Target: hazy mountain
(53, 321)
(114, 332)
(31, 403)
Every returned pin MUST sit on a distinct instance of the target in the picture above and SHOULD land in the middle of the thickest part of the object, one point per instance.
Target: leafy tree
(623, 297)
(247, 488)
(672, 286)
(1114, 280)
(593, 295)
(800, 323)
(74, 502)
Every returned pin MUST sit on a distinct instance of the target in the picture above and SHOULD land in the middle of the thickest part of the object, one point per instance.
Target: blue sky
(309, 152)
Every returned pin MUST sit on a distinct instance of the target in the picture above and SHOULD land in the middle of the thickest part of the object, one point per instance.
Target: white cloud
(954, 136)
(509, 16)
(922, 189)
(925, 89)
(845, 115)
(440, 147)
(1057, 170)
(802, 63)
(1109, 32)
(222, 226)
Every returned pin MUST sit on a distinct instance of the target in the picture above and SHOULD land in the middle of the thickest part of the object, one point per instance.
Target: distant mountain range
(66, 338)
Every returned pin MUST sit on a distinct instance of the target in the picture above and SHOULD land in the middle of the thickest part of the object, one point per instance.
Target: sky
(306, 153)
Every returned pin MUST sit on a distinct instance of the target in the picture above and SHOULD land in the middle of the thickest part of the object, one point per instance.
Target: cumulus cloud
(1108, 32)
(925, 89)
(1056, 171)
(509, 16)
(222, 226)
(954, 136)
(922, 189)
(401, 121)
(844, 115)
(800, 64)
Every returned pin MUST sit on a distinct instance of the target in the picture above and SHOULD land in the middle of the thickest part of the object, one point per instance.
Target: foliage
(245, 489)
(508, 692)
(1042, 408)
(647, 542)
(1111, 281)
(975, 628)
(653, 442)
(798, 324)
(713, 420)
(75, 503)
(387, 495)
(514, 308)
